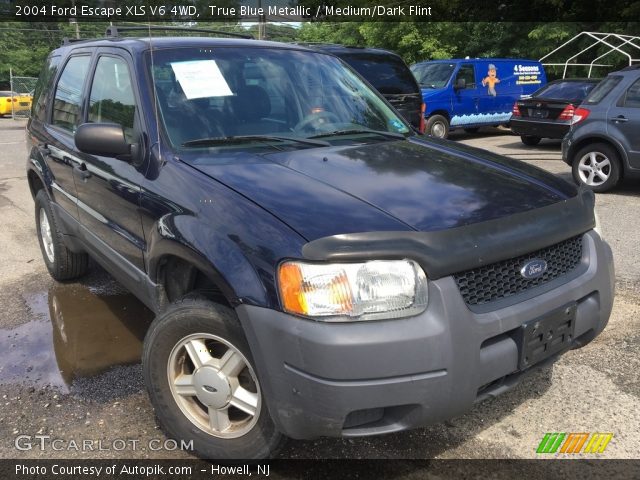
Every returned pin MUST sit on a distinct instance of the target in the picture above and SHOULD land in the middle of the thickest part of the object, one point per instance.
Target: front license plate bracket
(545, 336)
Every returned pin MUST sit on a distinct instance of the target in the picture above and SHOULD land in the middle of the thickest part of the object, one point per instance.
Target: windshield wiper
(356, 131)
(203, 142)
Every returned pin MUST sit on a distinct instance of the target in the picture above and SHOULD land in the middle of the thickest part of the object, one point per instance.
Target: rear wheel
(202, 382)
(62, 263)
(597, 167)
(530, 140)
(437, 126)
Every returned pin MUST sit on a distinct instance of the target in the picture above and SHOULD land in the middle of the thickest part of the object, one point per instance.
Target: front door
(465, 97)
(108, 188)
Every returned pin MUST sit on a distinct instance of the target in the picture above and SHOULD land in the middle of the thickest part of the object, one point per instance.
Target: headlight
(380, 289)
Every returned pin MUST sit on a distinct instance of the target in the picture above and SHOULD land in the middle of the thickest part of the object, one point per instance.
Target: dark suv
(316, 268)
(387, 73)
(603, 144)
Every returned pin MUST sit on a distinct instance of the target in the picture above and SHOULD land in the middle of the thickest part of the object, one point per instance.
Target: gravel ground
(64, 378)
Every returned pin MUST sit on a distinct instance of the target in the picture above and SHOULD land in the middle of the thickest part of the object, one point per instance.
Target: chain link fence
(21, 96)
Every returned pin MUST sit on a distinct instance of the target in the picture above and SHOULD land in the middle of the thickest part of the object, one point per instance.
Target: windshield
(433, 75)
(264, 96)
(565, 90)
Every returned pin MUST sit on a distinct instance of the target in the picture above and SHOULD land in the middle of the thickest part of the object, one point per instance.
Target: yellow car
(12, 102)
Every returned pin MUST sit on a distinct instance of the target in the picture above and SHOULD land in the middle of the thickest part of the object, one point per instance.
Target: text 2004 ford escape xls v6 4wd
(316, 268)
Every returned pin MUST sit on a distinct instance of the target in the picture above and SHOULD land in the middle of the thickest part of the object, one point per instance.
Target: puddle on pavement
(75, 331)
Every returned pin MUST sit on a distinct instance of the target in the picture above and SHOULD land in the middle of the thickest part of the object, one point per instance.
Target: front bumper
(365, 378)
(539, 128)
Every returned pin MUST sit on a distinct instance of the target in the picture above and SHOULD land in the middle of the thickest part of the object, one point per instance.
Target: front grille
(503, 279)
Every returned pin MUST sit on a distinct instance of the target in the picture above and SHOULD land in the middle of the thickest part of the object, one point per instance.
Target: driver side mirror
(461, 84)
(104, 139)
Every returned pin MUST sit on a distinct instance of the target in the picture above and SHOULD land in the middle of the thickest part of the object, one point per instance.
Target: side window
(112, 99)
(467, 73)
(42, 93)
(68, 97)
(632, 98)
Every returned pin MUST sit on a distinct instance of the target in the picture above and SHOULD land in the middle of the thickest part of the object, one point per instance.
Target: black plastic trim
(445, 252)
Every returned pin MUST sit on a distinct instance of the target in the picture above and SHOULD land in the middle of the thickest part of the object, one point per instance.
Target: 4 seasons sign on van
(527, 74)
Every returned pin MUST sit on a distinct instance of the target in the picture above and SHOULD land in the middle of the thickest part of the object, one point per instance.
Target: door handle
(619, 118)
(82, 171)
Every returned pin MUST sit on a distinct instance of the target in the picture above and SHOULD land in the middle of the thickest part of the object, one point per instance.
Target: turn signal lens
(567, 113)
(381, 289)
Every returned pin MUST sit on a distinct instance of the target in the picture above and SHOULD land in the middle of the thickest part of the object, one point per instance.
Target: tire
(191, 325)
(472, 130)
(530, 140)
(607, 172)
(62, 263)
(437, 126)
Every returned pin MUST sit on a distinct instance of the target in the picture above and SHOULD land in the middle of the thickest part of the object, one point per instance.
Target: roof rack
(114, 31)
(631, 67)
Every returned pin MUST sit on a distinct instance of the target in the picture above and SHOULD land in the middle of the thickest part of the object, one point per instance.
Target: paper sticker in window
(201, 79)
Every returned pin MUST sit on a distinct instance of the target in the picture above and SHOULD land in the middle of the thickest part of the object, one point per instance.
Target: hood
(431, 92)
(388, 186)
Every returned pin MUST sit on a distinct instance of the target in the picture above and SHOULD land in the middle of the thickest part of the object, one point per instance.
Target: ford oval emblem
(533, 268)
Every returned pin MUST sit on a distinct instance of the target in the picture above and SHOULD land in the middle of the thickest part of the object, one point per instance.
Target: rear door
(623, 122)
(108, 188)
(57, 144)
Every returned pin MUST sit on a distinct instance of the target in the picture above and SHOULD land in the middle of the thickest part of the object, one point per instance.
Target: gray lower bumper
(374, 377)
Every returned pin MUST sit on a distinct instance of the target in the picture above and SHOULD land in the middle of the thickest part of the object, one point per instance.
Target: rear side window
(68, 98)
(42, 93)
(387, 73)
(112, 99)
(632, 98)
(602, 90)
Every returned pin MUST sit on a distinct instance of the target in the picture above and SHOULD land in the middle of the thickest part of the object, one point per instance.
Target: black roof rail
(631, 67)
(114, 31)
(68, 41)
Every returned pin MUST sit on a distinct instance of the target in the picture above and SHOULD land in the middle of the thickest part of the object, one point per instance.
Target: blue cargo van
(472, 93)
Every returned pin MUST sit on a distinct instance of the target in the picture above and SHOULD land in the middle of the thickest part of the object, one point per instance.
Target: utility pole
(262, 23)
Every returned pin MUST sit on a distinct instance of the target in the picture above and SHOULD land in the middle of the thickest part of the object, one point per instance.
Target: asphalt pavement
(70, 352)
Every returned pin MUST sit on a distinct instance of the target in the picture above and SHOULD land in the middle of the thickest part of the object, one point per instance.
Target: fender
(37, 164)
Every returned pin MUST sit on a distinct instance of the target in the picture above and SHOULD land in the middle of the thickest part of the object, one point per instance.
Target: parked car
(603, 144)
(316, 267)
(387, 73)
(472, 93)
(13, 102)
(548, 113)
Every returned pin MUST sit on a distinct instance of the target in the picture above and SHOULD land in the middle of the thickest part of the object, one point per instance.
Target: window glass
(602, 89)
(565, 90)
(217, 93)
(433, 75)
(632, 99)
(111, 99)
(66, 105)
(467, 73)
(387, 73)
(40, 96)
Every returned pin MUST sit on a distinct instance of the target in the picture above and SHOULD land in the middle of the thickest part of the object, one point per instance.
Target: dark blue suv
(316, 268)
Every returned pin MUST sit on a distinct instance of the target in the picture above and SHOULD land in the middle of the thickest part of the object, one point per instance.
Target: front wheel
(437, 126)
(597, 167)
(201, 378)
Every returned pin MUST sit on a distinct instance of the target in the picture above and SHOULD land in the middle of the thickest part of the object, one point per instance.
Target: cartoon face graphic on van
(491, 79)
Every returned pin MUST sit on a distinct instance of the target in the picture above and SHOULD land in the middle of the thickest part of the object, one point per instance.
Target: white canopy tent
(608, 43)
